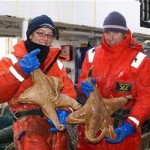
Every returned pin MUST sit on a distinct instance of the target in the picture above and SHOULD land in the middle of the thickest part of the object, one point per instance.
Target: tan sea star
(96, 114)
(45, 92)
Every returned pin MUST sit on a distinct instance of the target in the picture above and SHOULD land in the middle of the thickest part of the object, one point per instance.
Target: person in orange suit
(120, 69)
(30, 128)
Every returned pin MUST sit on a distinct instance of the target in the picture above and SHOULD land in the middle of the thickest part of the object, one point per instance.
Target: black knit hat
(39, 22)
(115, 22)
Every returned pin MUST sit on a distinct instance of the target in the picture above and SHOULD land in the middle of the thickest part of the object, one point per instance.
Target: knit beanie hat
(39, 22)
(115, 22)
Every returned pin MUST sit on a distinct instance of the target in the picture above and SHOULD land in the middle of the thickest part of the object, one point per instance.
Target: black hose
(6, 135)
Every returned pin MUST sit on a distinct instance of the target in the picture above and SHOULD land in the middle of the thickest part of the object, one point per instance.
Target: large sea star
(45, 92)
(96, 114)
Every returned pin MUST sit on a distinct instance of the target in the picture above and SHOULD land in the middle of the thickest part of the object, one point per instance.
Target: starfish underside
(45, 92)
(96, 114)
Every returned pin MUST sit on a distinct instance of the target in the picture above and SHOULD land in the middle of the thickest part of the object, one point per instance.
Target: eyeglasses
(42, 34)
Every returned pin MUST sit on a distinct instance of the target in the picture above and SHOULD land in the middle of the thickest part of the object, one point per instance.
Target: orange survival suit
(31, 132)
(122, 65)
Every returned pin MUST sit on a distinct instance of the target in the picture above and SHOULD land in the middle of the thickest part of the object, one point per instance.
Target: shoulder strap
(91, 53)
(54, 60)
(138, 60)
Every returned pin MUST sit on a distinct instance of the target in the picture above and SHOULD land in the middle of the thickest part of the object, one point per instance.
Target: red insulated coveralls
(32, 132)
(122, 64)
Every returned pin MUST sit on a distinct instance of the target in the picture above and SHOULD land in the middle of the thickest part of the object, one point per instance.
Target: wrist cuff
(133, 121)
(70, 110)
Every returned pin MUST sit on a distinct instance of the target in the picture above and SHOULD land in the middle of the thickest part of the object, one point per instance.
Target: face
(42, 36)
(114, 38)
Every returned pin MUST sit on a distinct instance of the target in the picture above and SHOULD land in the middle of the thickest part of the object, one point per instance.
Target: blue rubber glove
(122, 132)
(86, 87)
(30, 62)
(62, 115)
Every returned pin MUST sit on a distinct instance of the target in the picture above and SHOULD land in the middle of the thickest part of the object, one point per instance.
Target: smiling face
(114, 38)
(42, 36)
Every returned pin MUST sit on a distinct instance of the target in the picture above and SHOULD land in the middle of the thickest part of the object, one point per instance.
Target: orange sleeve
(141, 108)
